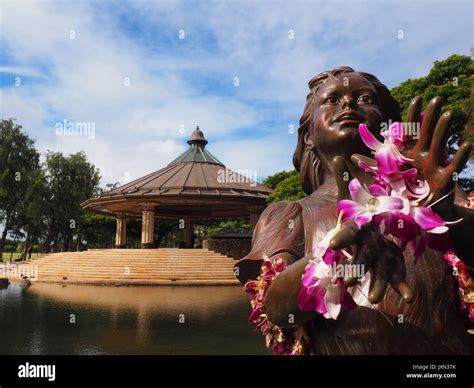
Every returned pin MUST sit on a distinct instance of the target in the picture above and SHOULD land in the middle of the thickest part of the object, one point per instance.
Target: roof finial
(197, 137)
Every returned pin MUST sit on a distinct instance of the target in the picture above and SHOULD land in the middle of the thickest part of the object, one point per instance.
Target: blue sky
(176, 83)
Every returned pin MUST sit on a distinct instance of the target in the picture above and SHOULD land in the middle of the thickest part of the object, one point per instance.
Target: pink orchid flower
(321, 250)
(323, 293)
(417, 225)
(428, 220)
(321, 290)
(395, 135)
(364, 205)
(403, 183)
(388, 157)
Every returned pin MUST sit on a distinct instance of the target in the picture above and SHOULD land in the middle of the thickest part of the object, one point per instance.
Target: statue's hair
(306, 161)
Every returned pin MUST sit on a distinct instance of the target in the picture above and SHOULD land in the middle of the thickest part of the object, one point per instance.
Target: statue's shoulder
(281, 210)
(292, 209)
(317, 199)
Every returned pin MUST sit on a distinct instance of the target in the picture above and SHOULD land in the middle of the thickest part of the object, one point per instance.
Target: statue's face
(340, 105)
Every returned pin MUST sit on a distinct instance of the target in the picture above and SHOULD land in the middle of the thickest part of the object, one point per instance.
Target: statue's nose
(347, 103)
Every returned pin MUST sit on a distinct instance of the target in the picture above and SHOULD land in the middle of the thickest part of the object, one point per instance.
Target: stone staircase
(136, 267)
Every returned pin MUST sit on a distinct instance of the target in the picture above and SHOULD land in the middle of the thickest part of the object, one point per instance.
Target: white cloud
(265, 155)
(189, 82)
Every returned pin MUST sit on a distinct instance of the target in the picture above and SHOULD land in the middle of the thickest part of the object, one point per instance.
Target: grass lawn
(16, 255)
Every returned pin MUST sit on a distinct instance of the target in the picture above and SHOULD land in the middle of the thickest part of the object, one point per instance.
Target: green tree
(273, 180)
(288, 188)
(214, 227)
(19, 163)
(30, 220)
(70, 181)
(97, 229)
(450, 79)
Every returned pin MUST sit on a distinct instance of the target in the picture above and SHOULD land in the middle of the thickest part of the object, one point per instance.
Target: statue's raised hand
(382, 257)
(429, 152)
(429, 156)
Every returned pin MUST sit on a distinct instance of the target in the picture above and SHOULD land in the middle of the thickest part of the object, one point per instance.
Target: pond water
(83, 319)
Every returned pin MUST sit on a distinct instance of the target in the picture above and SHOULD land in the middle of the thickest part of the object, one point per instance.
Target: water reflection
(83, 319)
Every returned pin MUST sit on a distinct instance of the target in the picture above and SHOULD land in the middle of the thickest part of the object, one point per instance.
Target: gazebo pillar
(148, 225)
(188, 233)
(121, 231)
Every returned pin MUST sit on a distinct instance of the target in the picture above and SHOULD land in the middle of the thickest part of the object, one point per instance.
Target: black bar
(331, 371)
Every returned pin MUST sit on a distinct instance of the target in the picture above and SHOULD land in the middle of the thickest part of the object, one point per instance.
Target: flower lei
(466, 285)
(283, 341)
(464, 277)
(396, 205)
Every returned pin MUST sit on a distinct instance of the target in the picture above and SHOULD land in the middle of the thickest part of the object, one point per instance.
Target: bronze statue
(417, 306)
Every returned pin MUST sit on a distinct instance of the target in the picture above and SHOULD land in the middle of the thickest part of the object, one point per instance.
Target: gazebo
(196, 185)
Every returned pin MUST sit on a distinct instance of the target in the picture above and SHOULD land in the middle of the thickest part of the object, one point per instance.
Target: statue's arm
(281, 298)
(279, 234)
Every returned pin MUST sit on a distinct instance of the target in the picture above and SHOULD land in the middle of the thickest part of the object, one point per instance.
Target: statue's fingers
(343, 176)
(460, 158)
(361, 160)
(440, 137)
(345, 237)
(350, 281)
(397, 279)
(430, 120)
(413, 117)
(414, 110)
(405, 291)
(377, 290)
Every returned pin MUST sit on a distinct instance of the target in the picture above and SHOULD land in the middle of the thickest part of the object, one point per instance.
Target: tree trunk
(47, 248)
(24, 253)
(47, 242)
(4, 236)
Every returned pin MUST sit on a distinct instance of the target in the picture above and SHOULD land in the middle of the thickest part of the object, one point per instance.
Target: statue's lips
(350, 117)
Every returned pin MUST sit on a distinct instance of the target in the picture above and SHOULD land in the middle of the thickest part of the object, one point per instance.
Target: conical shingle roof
(194, 184)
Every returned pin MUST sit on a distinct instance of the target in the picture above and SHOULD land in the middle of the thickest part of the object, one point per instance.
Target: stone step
(149, 273)
(132, 251)
(132, 258)
(76, 279)
(139, 265)
(149, 282)
(123, 269)
(157, 266)
(135, 257)
(190, 259)
(131, 276)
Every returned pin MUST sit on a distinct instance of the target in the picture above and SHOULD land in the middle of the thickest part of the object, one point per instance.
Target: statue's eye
(365, 99)
(331, 100)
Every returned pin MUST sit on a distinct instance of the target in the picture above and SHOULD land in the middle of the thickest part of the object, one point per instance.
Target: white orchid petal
(358, 193)
(332, 300)
(439, 229)
(322, 271)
